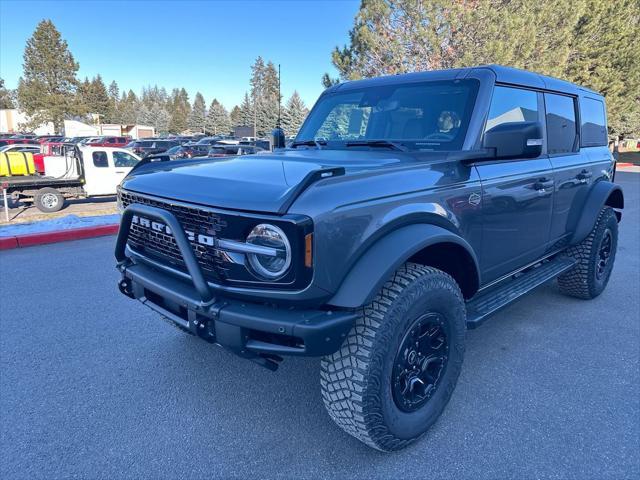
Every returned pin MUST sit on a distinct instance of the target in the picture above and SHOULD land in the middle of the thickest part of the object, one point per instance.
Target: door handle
(120, 171)
(584, 176)
(542, 184)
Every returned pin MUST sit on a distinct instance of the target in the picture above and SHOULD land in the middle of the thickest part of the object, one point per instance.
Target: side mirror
(515, 140)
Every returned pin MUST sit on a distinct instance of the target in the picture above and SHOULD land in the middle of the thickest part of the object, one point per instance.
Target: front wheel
(399, 365)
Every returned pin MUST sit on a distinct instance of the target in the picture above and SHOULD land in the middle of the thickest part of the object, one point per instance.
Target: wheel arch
(602, 194)
(426, 244)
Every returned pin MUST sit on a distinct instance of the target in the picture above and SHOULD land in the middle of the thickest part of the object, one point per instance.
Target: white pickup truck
(81, 172)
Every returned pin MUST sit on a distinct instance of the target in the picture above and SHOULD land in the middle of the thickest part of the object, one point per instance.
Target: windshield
(419, 116)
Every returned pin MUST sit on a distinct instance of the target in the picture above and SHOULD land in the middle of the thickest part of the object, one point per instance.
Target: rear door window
(561, 123)
(509, 105)
(593, 129)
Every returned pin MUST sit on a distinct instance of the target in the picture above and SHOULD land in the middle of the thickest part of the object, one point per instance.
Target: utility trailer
(81, 172)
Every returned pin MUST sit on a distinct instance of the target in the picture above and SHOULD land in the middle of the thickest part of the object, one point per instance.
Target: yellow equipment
(16, 164)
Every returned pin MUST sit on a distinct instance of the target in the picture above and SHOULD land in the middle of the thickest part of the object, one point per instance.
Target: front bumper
(251, 330)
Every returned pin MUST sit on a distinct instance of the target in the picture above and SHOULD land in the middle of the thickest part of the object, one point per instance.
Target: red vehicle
(47, 138)
(110, 142)
(13, 140)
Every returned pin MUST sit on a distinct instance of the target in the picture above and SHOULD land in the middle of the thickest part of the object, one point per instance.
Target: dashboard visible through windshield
(422, 116)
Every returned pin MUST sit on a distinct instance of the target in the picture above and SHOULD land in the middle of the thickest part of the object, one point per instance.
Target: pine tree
(246, 112)
(197, 118)
(589, 42)
(179, 109)
(294, 114)
(114, 99)
(5, 96)
(236, 116)
(218, 121)
(152, 109)
(46, 91)
(101, 104)
(604, 57)
(92, 100)
(264, 96)
(129, 108)
(82, 97)
(155, 115)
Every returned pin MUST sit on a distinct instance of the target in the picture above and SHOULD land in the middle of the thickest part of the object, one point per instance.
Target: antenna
(279, 99)
(277, 134)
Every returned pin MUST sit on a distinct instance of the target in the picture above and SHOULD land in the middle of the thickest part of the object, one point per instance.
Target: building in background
(12, 119)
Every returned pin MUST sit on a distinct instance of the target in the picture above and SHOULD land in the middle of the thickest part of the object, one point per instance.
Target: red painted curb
(624, 164)
(43, 238)
(8, 242)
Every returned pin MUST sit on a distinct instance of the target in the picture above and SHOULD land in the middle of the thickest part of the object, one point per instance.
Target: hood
(258, 183)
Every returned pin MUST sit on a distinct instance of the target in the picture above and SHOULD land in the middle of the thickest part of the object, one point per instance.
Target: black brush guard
(259, 332)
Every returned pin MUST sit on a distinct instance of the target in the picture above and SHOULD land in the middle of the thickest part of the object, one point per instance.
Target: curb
(43, 238)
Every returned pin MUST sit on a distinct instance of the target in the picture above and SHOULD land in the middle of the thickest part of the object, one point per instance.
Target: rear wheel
(397, 368)
(595, 256)
(48, 200)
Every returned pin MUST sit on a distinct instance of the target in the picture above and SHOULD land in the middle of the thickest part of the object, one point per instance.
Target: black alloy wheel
(420, 362)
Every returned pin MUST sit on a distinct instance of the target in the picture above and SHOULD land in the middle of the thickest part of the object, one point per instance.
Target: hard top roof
(508, 75)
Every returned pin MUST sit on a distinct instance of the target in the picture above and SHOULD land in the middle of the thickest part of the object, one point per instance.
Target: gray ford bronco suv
(408, 209)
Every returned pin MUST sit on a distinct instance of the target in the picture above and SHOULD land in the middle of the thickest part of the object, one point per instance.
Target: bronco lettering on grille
(145, 223)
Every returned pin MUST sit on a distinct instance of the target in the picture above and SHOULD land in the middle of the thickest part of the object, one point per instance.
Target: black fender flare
(601, 194)
(386, 255)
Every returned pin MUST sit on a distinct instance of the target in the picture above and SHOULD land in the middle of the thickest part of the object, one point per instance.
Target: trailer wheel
(48, 200)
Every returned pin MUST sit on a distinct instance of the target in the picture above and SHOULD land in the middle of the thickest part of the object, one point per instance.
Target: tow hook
(125, 287)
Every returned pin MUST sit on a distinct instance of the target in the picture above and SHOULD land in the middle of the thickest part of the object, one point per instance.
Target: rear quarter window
(593, 123)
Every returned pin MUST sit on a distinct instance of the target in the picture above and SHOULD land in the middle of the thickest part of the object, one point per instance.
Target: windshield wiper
(310, 143)
(378, 143)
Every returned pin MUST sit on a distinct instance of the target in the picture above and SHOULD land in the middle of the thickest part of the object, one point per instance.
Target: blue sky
(205, 46)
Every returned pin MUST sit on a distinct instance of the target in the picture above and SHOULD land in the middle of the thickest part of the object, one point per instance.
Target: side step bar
(487, 303)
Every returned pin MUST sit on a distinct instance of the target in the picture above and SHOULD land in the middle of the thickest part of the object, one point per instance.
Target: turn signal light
(308, 250)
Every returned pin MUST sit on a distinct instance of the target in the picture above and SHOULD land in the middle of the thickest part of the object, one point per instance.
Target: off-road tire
(582, 281)
(356, 381)
(48, 200)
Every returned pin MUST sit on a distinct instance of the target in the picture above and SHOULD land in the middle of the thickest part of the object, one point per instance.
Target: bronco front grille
(161, 246)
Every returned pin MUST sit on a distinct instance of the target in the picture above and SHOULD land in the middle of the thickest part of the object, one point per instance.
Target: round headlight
(272, 264)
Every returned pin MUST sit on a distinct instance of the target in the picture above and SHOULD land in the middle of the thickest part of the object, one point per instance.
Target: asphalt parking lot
(93, 385)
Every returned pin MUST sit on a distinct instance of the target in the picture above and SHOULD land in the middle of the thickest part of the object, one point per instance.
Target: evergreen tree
(218, 121)
(236, 116)
(294, 114)
(589, 42)
(82, 97)
(46, 91)
(328, 81)
(152, 109)
(197, 118)
(264, 96)
(604, 57)
(92, 100)
(5, 96)
(129, 108)
(100, 102)
(246, 112)
(155, 115)
(179, 109)
(114, 99)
